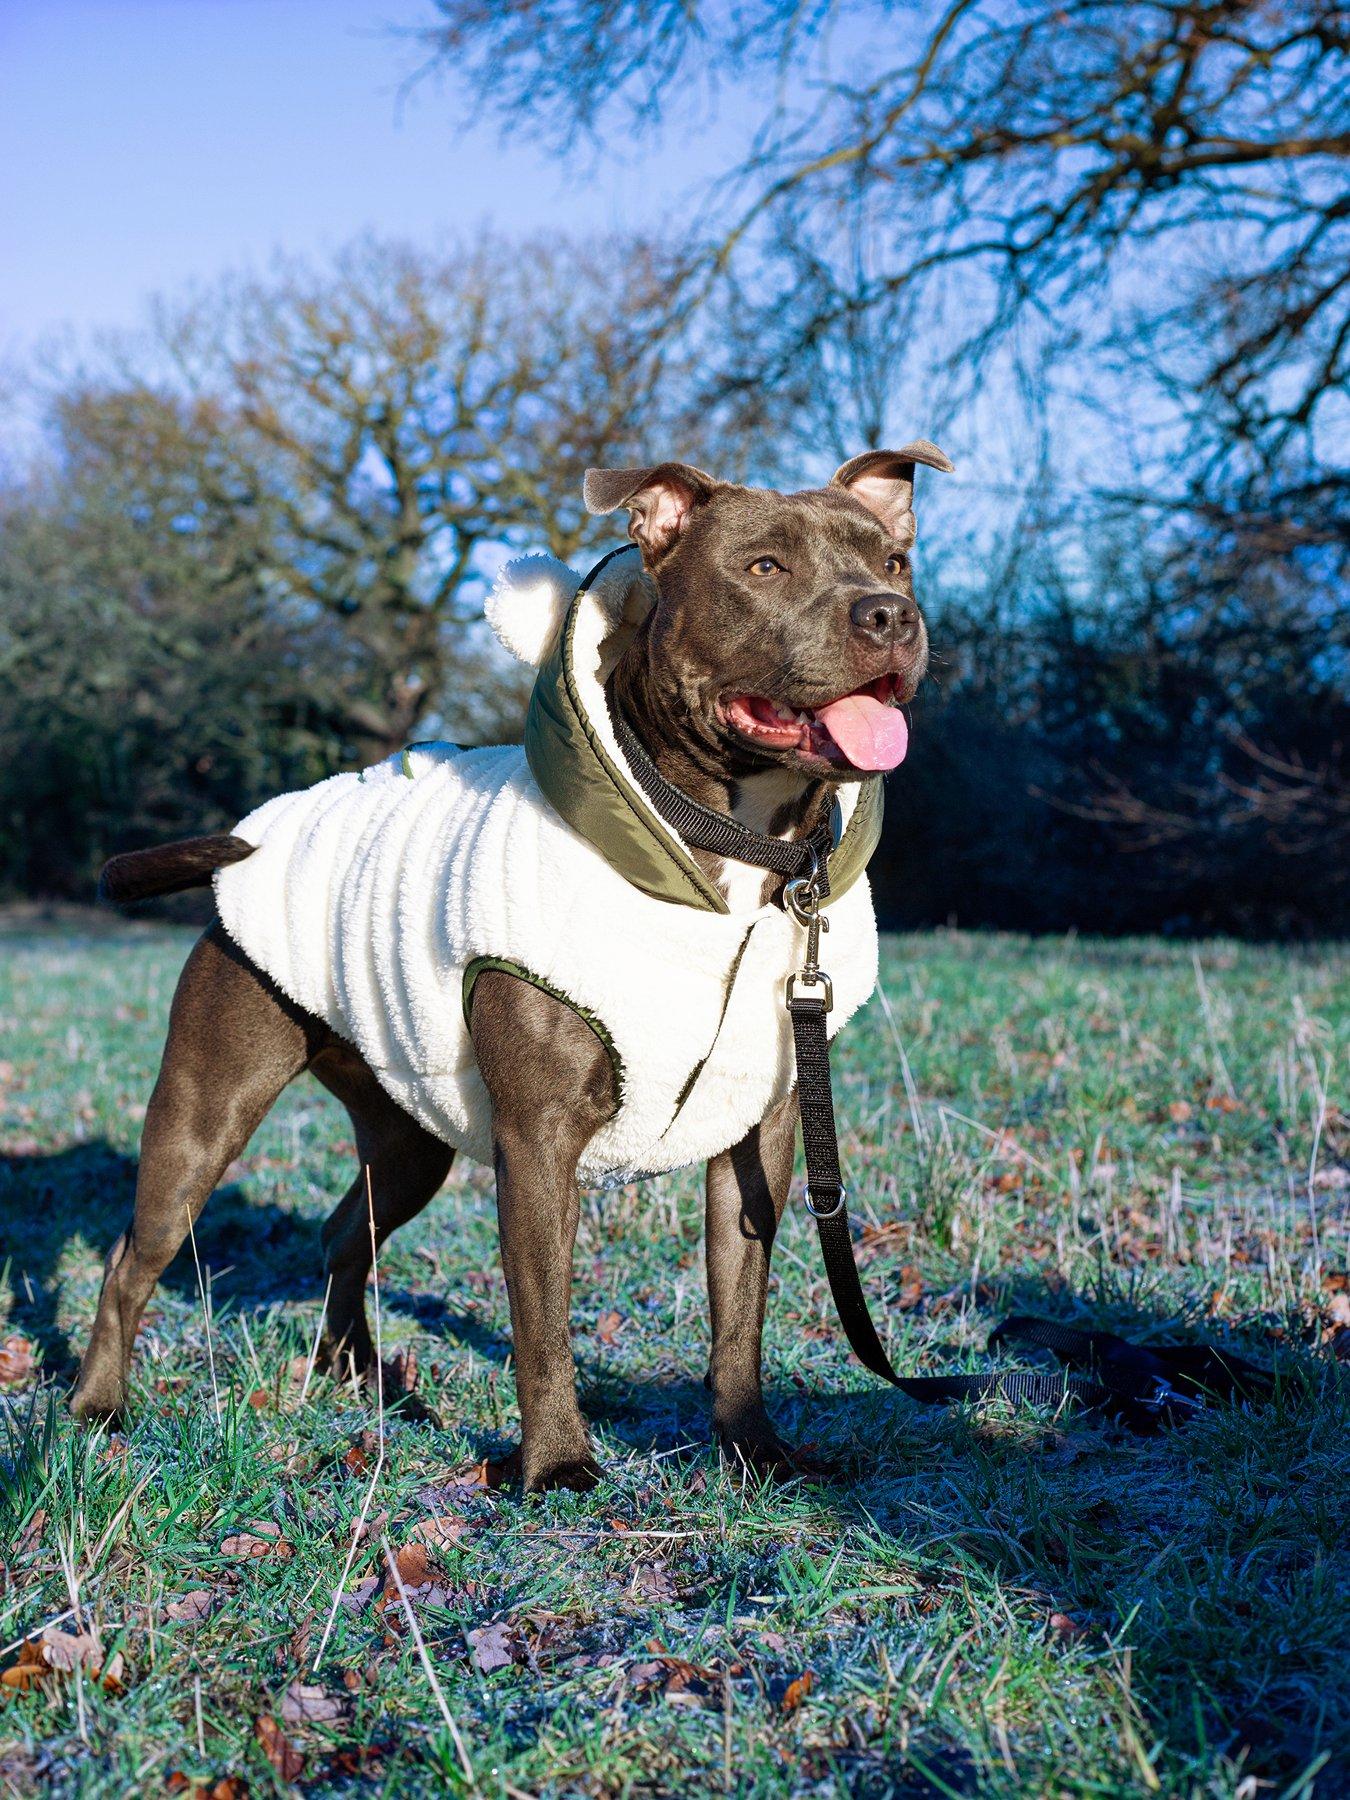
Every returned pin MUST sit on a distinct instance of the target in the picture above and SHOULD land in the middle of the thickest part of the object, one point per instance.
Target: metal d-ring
(833, 1211)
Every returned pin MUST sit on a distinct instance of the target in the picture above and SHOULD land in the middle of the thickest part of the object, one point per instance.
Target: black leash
(1146, 1388)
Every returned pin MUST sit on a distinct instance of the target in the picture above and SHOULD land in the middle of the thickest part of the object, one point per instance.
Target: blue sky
(148, 143)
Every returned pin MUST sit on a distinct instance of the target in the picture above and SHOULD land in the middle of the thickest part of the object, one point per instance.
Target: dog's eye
(765, 565)
(895, 565)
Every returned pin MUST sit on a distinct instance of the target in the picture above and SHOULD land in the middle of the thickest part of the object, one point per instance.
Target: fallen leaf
(438, 1533)
(1066, 1625)
(31, 1667)
(1179, 1111)
(31, 1535)
(413, 1565)
(259, 1399)
(259, 1538)
(796, 1691)
(355, 1461)
(63, 1652)
(16, 1361)
(361, 1594)
(1223, 1103)
(653, 1582)
(493, 1646)
(193, 1608)
(608, 1327)
(278, 1748)
(306, 1703)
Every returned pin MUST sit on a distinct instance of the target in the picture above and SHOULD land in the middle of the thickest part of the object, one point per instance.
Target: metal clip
(826, 1212)
(1164, 1397)
(803, 898)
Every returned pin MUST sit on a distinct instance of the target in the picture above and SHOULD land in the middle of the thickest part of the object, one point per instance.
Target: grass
(1135, 1135)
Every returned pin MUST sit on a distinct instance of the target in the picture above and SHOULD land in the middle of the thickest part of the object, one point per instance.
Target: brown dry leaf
(260, 1399)
(355, 1461)
(193, 1608)
(62, 1652)
(1179, 1111)
(1223, 1103)
(876, 1238)
(16, 1361)
(653, 1581)
(229, 1787)
(494, 1646)
(306, 1703)
(608, 1326)
(31, 1535)
(278, 1748)
(1066, 1625)
(413, 1565)
(28, 1670)
(908, 1292)
(796, 1691)
(260, 1537)
(438, 1533)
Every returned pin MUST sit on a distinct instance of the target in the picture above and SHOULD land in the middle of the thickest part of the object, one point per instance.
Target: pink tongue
(871, 736)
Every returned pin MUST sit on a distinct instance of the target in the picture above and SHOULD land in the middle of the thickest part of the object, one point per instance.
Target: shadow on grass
(1217, 1552)
(258, 1253)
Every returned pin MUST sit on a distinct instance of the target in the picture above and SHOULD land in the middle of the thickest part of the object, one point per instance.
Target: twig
(430, 1673)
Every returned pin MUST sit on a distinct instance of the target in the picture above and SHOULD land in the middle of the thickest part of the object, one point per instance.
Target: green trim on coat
(481, 964)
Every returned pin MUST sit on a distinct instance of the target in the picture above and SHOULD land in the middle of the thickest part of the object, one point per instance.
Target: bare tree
(1167, 174)
(365, 439)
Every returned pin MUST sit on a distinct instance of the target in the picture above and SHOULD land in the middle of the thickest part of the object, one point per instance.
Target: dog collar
(585, 772)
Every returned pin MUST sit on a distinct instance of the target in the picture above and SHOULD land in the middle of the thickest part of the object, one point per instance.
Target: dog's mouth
(863, 730)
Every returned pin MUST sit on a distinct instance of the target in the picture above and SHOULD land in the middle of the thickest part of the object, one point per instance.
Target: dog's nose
(884, 618)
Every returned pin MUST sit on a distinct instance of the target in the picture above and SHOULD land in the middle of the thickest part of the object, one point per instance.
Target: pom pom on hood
(531, 595)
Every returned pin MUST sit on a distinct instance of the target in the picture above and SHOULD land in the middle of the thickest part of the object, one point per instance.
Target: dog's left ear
(659, 501)
(883, 480)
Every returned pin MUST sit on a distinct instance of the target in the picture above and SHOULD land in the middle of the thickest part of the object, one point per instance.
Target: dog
(622, 1010)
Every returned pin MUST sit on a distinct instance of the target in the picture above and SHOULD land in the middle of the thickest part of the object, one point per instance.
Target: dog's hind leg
(406, 1166)
(234, 1043)
(746, 1192)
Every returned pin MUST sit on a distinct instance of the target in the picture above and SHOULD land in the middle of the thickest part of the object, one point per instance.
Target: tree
(1168, 174)
(369, 437)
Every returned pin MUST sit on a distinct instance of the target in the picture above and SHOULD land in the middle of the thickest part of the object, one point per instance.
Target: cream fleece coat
(374, 899)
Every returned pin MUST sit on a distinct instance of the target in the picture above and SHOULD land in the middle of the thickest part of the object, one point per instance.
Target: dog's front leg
(552, 1088)
(747, 1190)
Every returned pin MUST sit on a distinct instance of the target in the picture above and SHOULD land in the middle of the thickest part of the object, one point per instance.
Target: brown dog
(769, 608)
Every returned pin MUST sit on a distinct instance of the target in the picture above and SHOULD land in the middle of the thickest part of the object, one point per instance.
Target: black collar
(701, 828)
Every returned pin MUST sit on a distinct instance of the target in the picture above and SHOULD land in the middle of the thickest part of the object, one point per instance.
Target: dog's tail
(169, 868)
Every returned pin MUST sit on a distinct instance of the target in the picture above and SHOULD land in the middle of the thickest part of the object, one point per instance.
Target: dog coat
(374, 900)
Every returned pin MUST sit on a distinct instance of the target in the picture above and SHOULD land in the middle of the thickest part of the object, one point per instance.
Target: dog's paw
(767, 1458)
(580, 1475)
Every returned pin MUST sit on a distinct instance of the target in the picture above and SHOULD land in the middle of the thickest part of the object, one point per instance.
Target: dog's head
(786, 630)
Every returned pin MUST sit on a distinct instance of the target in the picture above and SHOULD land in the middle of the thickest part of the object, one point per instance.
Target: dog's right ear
(659, 501)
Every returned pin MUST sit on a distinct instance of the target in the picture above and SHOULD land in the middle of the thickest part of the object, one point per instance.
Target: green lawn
(1127, 1134)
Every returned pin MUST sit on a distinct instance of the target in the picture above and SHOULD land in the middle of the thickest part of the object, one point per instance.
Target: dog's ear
(883, 480)
(659, 500)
